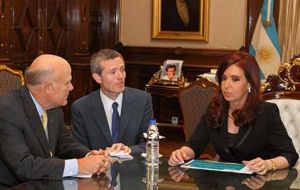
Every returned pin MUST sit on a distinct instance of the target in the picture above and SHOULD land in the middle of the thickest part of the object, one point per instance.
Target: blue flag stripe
(271, 30)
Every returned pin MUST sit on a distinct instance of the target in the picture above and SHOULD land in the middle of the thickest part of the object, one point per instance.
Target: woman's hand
(259, 165)
(179, 156)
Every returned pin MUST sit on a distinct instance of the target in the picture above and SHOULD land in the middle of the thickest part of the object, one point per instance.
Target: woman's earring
(249, 90)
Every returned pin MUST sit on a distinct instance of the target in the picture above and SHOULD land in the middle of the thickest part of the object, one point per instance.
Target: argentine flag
(265, 44)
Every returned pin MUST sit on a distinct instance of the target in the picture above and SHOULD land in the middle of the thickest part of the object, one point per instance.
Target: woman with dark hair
(239, 125)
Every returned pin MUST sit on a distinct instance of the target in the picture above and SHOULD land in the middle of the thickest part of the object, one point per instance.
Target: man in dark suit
(92, 115)
(35, 148)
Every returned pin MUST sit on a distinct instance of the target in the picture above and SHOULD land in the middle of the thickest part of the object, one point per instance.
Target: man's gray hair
(37, 76)
(101, 56)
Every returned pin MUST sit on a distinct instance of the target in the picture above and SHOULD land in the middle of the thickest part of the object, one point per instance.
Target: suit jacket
(90, 126)
(265, 137)
(24, 148)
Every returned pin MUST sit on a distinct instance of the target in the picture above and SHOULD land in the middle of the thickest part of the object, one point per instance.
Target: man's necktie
(45, 122)
(115, 124)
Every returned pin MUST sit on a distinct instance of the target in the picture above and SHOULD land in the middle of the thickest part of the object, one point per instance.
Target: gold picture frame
(180, 19)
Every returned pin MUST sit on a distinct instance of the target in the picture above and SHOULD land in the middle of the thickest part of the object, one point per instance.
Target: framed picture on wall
(180, 19)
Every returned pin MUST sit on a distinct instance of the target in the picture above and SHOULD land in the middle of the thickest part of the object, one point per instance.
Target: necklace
(230, 114)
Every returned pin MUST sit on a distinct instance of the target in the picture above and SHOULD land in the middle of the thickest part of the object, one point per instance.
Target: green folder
(217, 166)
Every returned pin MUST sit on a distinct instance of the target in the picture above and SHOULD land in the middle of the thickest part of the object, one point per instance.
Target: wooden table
(165, 104)
(135, 175)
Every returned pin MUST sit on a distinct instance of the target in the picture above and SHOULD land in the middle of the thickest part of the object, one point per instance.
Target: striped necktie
(44, 118)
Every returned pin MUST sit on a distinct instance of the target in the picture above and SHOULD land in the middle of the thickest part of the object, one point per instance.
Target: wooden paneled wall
(72, 29)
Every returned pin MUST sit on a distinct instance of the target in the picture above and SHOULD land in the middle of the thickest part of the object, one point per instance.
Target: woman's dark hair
(218, 106)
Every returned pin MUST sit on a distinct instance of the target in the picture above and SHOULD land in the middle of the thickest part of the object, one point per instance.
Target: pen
(180, 163)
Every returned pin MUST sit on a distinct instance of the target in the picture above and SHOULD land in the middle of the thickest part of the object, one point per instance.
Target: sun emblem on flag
(264, 55)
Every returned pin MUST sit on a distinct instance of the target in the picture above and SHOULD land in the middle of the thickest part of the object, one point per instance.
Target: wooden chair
(284, 90)
(193, 101)
(10, 79)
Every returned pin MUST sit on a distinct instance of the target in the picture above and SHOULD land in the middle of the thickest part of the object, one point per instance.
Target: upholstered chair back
(283, 89)
(10, 79)
(193, 101)
(289, 108)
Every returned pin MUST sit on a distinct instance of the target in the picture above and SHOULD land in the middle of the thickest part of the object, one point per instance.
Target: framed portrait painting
(180, 19)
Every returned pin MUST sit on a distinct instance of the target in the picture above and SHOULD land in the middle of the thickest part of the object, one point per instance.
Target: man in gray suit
(92, 115)
(34, 148)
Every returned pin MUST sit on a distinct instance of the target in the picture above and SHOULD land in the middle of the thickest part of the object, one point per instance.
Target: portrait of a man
(180, 15)
(171, 70)
(180, 19)
(170, 73)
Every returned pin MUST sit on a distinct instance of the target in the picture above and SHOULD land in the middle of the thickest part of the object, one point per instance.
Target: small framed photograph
(171, 70)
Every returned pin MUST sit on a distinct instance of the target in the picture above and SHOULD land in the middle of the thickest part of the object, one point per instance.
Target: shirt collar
(37, 105)
(107, 102)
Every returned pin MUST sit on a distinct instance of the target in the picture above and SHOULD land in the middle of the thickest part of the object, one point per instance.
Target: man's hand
(119, 147)
(93, 164)
(105, 153)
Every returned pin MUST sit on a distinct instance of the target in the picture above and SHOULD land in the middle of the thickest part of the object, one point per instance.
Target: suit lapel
(34, 119)
(52, 135)
(126, 112)
(242, 135)
(100, 116)
(223, 135)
